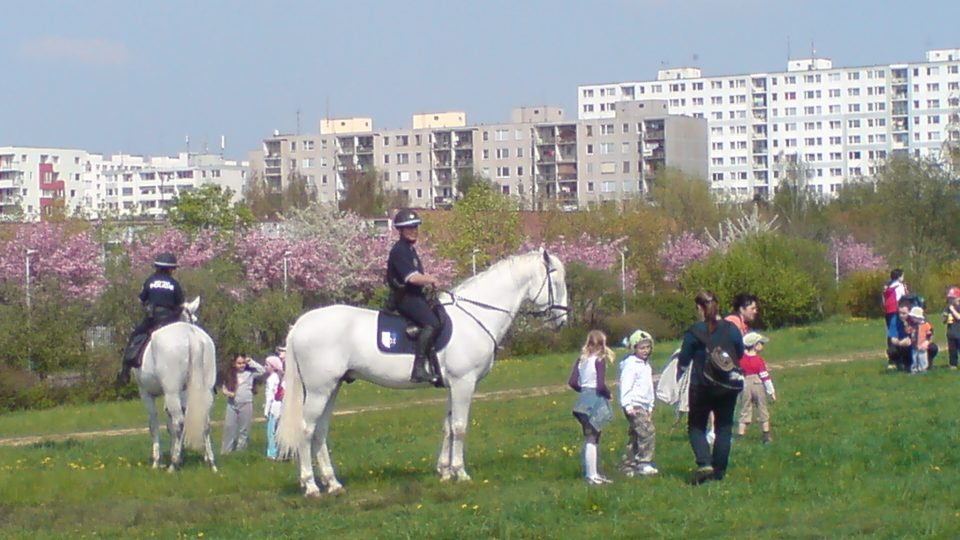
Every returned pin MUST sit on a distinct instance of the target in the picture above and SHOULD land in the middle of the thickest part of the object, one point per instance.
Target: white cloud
(91, 51)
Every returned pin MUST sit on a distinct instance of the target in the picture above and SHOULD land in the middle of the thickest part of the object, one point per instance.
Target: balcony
(653, 135)
(463, 163)
(364, 149)
(550, 139)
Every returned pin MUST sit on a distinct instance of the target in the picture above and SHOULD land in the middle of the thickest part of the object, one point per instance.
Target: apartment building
(35, 182)
(537, 156)
(834, 123)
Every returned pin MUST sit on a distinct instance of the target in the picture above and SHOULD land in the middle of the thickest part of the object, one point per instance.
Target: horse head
(551, 295)
(189, 313)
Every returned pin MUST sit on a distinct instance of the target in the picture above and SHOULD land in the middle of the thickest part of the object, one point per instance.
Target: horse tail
(199, 391)
(290, 428)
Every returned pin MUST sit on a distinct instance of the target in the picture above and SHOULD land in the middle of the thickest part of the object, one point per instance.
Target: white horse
(179, 363)
(334, 343)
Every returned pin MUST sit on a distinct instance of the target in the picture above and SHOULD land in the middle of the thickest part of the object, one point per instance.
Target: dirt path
(513, 393)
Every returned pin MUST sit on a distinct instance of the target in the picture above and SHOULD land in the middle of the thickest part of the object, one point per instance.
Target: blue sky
(131, 76)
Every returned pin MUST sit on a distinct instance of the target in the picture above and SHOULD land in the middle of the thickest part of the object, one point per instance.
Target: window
(308, 163)
(519, 171)
(502, 135)
(386, 159)
(503, 172)
(403, 176)
(606, 129)
(386, 141)
(485, 154)
(853, 92)
(606, 148)
(589, 149)
(403, 159)
(626, 167)
(503, 153)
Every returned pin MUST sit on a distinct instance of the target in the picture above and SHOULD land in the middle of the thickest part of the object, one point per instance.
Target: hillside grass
(836, 337)
(858, 452)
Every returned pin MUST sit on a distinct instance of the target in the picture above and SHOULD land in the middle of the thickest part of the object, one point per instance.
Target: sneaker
(598, 480)
(953, 367)
(648, 470)
(767, 439)
(891, 366)
(702, 475)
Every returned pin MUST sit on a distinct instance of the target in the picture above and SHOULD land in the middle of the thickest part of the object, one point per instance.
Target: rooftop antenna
(186, 139)
(789, 56)
(696, 58)
(298, 121)
(223, 144)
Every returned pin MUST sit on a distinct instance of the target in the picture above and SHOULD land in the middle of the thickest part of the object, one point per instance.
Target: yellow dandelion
(797, 454)
(463, 506)
(485, 481)
(476, 507)
(419, 506)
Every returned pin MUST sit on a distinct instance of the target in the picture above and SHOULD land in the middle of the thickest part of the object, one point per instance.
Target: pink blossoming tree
(679, 251)
(851, 255)
(72, 261)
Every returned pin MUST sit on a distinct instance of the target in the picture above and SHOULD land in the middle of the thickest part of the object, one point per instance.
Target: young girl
(637, 399)
(238, 387)
(273, 401)
(757, 387)
(592, 409)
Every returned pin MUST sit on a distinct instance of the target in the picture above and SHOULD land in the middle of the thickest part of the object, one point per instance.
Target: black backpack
(720, 370)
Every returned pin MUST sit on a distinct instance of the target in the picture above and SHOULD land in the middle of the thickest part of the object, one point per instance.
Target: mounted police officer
(162, 297)
(406, 279)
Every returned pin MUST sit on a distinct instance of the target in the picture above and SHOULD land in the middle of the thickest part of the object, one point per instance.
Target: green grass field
(858, 452)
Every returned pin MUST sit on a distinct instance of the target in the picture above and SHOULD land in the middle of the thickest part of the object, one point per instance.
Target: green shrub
(620, 326)
(861, 295)
(788, 275)
(676, 309)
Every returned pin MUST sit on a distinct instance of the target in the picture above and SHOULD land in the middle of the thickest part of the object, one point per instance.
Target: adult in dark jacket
(407, 281)
(162, 297)
(705, 397)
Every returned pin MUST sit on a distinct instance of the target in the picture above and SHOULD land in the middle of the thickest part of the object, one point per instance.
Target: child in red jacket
(757, 386)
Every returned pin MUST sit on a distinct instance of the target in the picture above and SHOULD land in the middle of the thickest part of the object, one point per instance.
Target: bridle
(552, 305)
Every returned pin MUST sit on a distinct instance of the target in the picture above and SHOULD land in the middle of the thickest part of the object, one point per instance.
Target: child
(273, 402)
(757, 386)
(637, 400)
(951, 318)
(920, 336)
(592, 409)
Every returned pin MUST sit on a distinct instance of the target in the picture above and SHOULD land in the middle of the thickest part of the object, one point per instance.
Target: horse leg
(154, 423)
(327, 475)
(174, 407)
(208, 444)
(461, 392)
(313, 408)
(443, 461)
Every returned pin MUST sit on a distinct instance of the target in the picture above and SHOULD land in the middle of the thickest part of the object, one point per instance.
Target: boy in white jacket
(637, 399)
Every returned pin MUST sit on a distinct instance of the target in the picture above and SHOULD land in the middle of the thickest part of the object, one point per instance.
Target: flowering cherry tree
(340, 260)
(592, 253)
(679, 251)
(72, 261)
(191, 252)
(851, 255)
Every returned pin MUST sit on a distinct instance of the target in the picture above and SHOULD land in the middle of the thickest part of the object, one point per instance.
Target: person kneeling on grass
(757, 386)
(637, 400)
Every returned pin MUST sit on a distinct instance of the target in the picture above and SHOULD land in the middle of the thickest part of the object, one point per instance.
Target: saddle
(133, 355)
(398, 335)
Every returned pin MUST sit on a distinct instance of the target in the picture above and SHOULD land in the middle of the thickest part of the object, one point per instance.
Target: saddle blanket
(392, 335)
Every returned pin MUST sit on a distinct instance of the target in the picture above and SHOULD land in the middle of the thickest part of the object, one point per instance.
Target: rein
(552, 306)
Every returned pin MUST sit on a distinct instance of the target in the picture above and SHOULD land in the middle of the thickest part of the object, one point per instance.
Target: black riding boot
(424, 341)
(131, 358)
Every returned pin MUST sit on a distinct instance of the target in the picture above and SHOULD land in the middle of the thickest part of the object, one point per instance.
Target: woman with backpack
(711, 349)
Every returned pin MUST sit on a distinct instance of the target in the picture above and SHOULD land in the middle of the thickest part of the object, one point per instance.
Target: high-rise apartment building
(832, 123)
(538, 156)
(36, 182)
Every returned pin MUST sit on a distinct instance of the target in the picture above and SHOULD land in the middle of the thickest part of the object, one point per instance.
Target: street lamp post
(286, 254)
(623, 279)
(473, 260)
(26, 265)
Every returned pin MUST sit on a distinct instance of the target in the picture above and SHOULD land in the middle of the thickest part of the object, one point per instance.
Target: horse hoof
(336, 490)
(315, 494)
(462, 476)
(445, 476)
(171, 469)
(213, 469)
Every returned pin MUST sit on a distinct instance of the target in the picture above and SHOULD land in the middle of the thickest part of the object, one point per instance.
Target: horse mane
(504, 265)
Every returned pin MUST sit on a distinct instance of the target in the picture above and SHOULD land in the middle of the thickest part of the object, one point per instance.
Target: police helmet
(953, 292)
(406, 218)
(165, 260)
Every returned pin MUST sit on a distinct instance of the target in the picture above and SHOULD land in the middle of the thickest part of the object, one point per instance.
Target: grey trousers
(236, 426)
